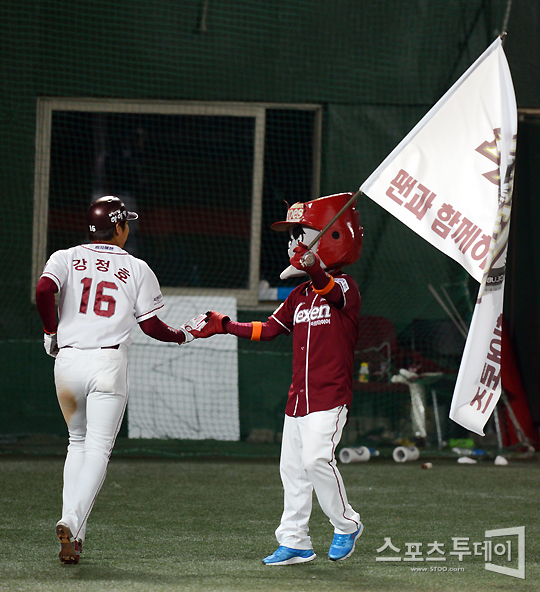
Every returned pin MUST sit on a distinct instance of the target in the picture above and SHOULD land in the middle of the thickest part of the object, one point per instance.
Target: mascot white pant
(308, 463)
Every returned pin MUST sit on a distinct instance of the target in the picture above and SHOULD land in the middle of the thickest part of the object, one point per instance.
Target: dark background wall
(522, 295)
(376, 68)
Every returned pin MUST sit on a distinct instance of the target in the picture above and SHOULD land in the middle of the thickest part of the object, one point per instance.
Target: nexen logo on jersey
(318, 315)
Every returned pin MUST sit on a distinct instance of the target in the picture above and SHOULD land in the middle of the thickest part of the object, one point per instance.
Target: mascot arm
(323, 283)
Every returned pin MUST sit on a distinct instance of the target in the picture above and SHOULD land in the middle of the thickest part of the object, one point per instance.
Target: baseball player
(104, 293)
(322, 314)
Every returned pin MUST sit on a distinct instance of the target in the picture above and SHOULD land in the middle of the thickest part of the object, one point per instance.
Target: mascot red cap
(342, 243)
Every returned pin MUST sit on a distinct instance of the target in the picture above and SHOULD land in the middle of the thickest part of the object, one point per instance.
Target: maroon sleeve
(45, 291)
(320, 280)
(157, 329)
(270, 329)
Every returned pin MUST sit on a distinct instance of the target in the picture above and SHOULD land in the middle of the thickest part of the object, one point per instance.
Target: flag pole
(506, 18)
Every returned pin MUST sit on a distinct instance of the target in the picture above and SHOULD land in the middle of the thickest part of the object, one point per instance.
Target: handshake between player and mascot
(104, 292)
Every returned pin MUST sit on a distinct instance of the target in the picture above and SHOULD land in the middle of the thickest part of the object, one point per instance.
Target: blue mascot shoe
(343, 544)
(287, 556)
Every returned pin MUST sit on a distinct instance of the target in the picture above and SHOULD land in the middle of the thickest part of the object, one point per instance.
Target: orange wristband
(331, 283)
(256, 331)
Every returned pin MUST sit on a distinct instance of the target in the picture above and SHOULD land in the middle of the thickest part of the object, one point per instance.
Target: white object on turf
(405, 453)
(466, 460)
(351, 455)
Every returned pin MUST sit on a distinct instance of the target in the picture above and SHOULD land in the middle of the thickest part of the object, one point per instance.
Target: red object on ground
(517, 397)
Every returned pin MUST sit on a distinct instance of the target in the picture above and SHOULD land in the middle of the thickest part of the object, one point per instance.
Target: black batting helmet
(106, 212)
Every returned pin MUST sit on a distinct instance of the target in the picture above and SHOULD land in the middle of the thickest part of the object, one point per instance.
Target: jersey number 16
(101, 298)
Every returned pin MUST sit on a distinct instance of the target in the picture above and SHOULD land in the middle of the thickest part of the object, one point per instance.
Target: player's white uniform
(104, 293)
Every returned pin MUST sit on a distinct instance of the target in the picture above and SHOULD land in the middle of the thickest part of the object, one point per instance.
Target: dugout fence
(205, 126)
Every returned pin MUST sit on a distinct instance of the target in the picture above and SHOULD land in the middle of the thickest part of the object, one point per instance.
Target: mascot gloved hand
(191, 327)
(305, 260)
(214, 325)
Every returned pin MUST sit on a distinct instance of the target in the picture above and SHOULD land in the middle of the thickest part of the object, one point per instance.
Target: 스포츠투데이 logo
(502, 549)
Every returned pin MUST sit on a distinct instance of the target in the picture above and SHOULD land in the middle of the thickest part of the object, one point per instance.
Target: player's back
(103, 292)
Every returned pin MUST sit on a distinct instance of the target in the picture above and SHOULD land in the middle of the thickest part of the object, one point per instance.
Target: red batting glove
(305, 260)
(214, 325)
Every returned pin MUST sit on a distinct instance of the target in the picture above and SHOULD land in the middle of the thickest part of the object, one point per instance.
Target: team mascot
(322, 315)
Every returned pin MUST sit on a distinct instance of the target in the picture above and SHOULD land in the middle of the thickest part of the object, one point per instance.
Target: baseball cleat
(69, 547)
(343, 544)
(287, 556)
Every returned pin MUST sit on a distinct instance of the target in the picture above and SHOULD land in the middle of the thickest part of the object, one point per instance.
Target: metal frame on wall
(47, 106)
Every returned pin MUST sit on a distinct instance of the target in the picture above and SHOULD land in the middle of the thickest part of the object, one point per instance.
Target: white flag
(450, 180)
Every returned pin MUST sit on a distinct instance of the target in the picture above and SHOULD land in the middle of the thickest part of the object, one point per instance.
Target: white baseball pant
(308, 462)
(92, 388)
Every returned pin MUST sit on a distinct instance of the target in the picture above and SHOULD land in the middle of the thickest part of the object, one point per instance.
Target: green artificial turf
(204, 525)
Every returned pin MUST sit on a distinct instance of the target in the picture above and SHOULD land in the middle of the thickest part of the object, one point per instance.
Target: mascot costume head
(341, 244)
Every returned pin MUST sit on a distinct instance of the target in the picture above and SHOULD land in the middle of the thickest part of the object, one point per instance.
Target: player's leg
(292, 533)
(72, 466)
(70, 386)
(105, 407)
(321, 432)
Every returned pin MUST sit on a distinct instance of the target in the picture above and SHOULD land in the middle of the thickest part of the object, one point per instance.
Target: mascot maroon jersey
(323, 342)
